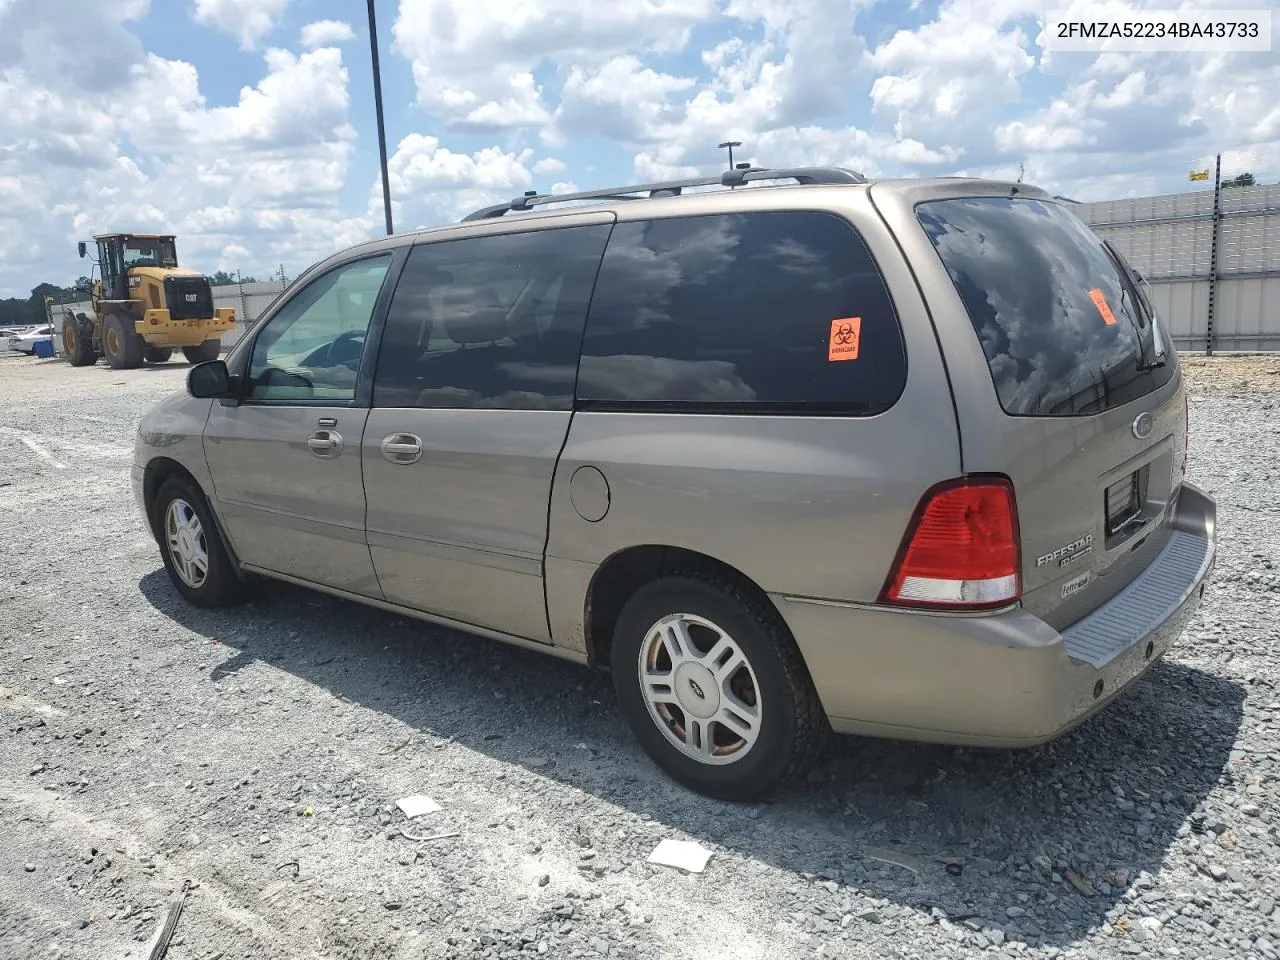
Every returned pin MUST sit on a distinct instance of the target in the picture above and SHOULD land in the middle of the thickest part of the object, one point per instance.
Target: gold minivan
(803, 453)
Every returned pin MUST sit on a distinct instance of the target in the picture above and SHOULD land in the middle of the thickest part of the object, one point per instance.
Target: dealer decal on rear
(1069, 553)
(1075, 585)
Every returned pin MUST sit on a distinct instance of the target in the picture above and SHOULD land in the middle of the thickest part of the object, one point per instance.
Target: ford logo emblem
(1142, 425)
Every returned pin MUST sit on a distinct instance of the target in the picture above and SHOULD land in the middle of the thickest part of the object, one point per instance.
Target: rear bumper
(1008, 679)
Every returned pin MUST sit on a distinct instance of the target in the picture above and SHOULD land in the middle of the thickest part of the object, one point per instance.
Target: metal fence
(1214, 274)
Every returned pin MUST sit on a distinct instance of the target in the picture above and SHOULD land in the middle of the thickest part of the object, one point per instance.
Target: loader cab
(117, 252)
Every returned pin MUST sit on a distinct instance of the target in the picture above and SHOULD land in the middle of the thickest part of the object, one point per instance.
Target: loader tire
(77, 342)
(121, 343)
(208, 350)
(158, 354)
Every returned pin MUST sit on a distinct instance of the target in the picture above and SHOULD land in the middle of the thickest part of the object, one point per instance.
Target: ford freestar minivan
(787, 450)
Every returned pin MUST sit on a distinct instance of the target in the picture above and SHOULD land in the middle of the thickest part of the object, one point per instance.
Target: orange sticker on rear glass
(1104, 308)
(845, 334)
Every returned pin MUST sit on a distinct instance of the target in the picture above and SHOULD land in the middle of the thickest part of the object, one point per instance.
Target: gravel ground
(258, 753)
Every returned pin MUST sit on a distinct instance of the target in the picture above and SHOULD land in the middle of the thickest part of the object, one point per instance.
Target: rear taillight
(961, 550)
(1186, 432)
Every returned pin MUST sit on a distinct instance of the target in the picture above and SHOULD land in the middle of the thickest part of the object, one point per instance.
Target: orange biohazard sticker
(845, 334)
(1104, 308)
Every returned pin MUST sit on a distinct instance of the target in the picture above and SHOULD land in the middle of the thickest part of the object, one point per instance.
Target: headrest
(474, 314)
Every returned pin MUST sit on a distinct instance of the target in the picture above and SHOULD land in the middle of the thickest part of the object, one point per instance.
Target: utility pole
(1022, 169)
(377, 103)
(1213, 253)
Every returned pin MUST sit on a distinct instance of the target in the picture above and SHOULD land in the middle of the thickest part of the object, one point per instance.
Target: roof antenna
(730, 144)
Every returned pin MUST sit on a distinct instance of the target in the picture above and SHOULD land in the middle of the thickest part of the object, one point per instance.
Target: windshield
(1065, 330)
(149, 252)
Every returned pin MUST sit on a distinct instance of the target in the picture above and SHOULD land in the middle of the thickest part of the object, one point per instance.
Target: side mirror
(209, 380)
(81, 247)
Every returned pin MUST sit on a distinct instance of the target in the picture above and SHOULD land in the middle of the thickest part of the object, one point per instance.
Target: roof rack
(673, 188)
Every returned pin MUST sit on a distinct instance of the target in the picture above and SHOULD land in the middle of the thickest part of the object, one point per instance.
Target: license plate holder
(1122, 502)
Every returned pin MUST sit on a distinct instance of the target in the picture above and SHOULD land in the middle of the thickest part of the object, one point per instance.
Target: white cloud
(549, 165)
(246, 20)
(621, 99)
(109, 135)
(324, 33)
(1134, 122)
(443, 185)
(474, 60)
(248, 184)
(953, 74)
(302, 99)
(421, 164)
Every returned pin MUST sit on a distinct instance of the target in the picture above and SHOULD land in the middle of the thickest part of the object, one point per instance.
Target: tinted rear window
(1060, 324)
(752, 313)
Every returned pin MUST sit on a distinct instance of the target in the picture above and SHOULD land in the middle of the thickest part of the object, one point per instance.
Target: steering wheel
(340, 353)
(275, 377)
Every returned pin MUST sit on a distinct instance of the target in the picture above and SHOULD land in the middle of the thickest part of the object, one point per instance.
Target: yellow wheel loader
(144, 306)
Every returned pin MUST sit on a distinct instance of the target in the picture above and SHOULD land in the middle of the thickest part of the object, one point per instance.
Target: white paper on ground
(417, 805)
(684, 854)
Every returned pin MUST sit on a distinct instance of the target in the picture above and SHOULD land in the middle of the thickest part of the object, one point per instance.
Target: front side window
(311, 349)
(490, 322)
(751, 313)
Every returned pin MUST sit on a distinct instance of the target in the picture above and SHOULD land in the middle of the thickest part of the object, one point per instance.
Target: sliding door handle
(401, 448)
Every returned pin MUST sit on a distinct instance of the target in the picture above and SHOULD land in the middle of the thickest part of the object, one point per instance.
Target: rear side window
(1059, 319)
(752, 313)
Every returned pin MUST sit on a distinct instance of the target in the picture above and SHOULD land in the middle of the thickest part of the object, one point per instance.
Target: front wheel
(77, 342)
(121, 343)
(192, 551)
(208, 350)
(158, 354)
(714, 687)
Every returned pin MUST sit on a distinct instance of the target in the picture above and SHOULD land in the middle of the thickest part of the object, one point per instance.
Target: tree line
(20, 312)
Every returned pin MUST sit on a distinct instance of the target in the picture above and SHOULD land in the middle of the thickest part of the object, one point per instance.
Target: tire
(121, 344)
(220, 586)
(157, 354)
(791, 728)
(77, 341)
(208, 350)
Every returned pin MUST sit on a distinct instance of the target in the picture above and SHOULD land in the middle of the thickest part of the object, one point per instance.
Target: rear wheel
(714, 687)
(121, 343)
(77, 341)
(158, 354)
(190, 545)
(208, 350)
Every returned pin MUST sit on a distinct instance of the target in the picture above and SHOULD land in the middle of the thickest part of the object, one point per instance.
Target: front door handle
(325, 444)
(402, 448)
